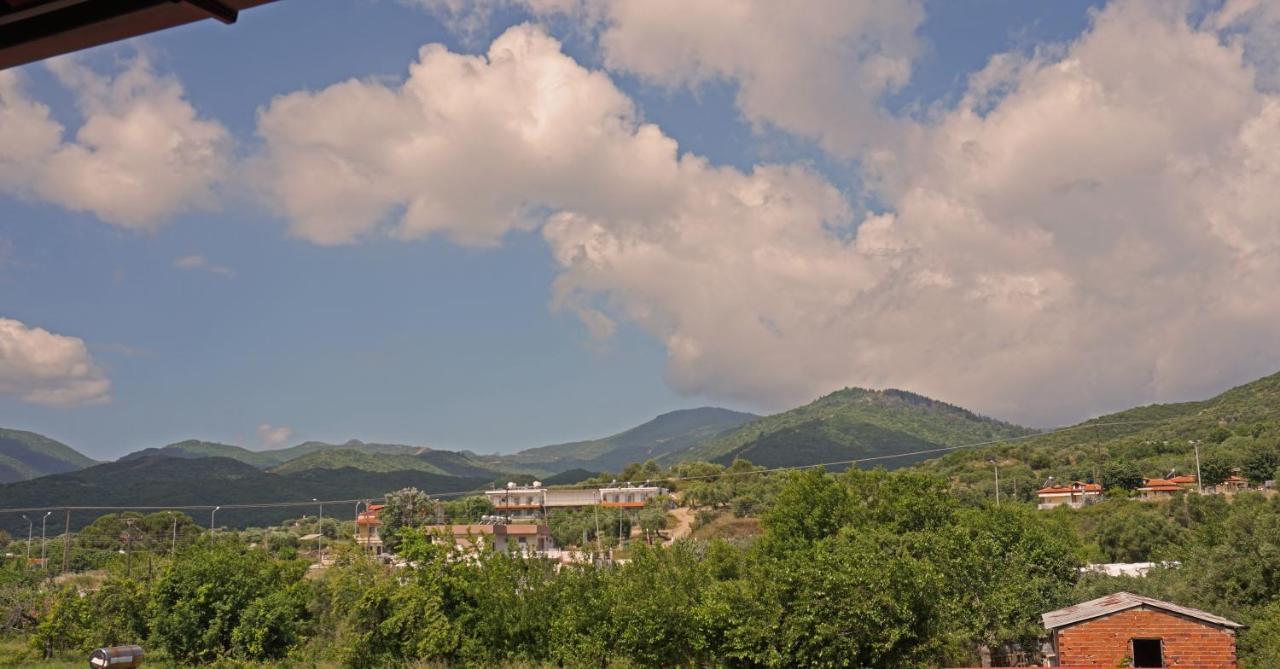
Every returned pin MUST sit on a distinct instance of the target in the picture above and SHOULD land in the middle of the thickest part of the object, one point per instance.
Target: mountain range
(894, 428)
(27, 455)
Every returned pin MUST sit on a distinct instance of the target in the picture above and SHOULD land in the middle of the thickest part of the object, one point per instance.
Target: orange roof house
(367, 524)
(1157, 489)
(1075, 495)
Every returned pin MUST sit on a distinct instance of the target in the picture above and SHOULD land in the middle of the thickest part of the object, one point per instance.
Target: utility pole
(212, 514)
(1199, 482)
(128, 551)
(173, 545)
(43, 561)
(320, 532)
(66, 541)
(997, 467)
(30, 525)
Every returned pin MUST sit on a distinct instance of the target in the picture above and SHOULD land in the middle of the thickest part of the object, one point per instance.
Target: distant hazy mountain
(164, 480)
(27, 455)
(669, 433)
(850, 424)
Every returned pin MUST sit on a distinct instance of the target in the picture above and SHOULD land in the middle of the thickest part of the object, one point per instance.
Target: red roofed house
(1233, 483)
(367, 524)
(1159, 489)
(1127, 630)
(1075, 495)
(1185, 481)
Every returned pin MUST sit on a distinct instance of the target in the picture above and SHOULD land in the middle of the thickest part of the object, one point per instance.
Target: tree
(468, 509)
(653, 518)
(1214, 470)
(408, 507)
(810, 506)
(1261, 463)
(1121, 474)
(198, 603)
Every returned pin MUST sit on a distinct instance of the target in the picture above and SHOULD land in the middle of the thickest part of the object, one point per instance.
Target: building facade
(367, 526)
(527, 539)
(534, 501)
(1127, 630)
(1075, 495)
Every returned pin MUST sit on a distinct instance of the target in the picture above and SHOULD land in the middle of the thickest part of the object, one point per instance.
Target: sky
(499, 224)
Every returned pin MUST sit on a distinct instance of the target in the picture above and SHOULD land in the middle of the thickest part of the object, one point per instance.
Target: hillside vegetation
(27, 455)
(849, 424)
(1238, 428)
(159, 481)
(669, 433)
(345, 457)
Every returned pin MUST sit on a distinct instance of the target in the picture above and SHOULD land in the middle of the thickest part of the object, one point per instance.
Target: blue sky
(456, 345)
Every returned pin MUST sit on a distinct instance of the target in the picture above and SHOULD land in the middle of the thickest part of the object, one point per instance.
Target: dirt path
(684, 523)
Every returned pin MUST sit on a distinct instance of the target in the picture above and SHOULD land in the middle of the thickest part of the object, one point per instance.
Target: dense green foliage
(849, 424)
(27, 455)
(339, 458)
(1237, 429)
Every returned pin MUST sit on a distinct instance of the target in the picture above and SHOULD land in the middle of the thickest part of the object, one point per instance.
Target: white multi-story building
(535, 500)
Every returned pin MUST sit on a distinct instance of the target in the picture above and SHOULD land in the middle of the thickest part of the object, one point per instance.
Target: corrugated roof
(1123, 601)
(31, 30)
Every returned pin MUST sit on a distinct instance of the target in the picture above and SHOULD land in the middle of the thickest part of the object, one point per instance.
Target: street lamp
(213, 514)
(42, 523)
(997, 467)
(30, 525)
(320, 531)
(1199, 484)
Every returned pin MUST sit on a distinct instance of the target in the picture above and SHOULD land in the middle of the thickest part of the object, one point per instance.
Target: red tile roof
(1074, 487)
(1160, 485)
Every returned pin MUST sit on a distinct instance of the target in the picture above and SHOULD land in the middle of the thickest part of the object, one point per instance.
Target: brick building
(1127, 630)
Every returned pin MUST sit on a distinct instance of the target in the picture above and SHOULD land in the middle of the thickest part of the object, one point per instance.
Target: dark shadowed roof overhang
(32, 30)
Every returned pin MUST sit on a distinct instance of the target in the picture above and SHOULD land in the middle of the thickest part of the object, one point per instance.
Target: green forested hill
(849, 424)
(668, 433)
(162, 481)
(339, 458)
(1234, 429)
(194, 448)
(27, 455)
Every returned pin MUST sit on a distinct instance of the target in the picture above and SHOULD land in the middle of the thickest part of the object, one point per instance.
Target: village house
(1074, 495)
(1232, 484)
(527, 539)
(1186, 481)
(367, 524)
(1154, 490)
(1127, 630)
(534, 501)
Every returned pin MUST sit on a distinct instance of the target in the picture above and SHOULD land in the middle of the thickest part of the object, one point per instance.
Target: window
(1147, 653)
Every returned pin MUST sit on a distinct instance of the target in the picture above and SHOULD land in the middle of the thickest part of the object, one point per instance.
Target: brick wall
(1188, 643)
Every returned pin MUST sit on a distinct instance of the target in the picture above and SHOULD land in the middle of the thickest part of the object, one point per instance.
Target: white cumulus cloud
(1085, 229)
(817, 69)
(41, 367)
(141, 156)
